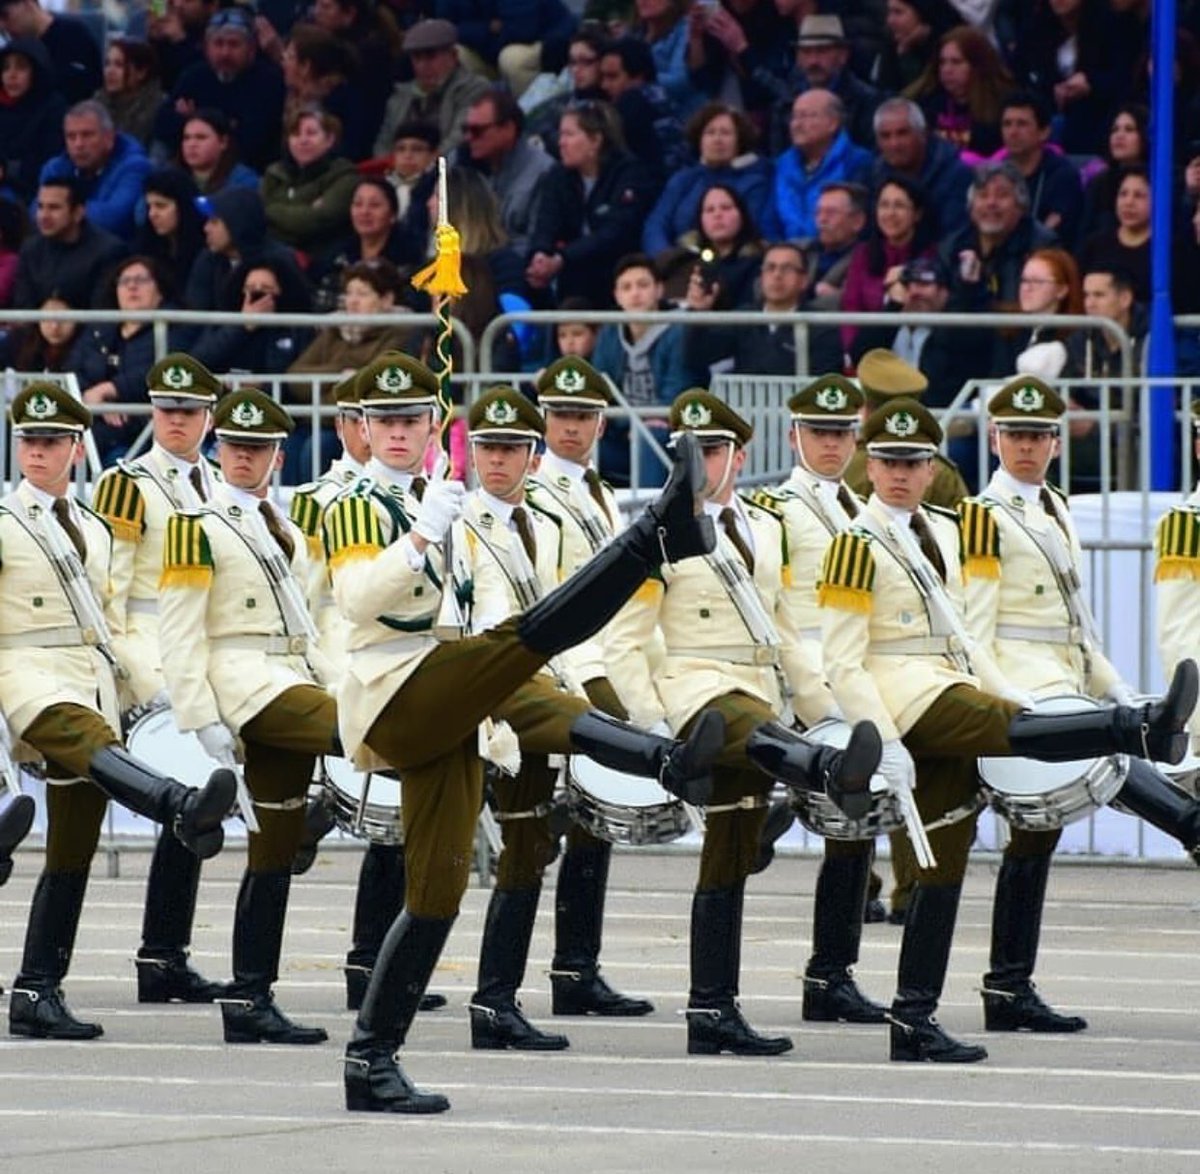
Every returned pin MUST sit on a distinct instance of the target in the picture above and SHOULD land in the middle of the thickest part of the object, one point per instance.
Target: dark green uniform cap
(573, 384)
(179, 381)
(504, 414)
(345, 395)
(396, 384)
(43, 408)
(249, 416)
(708, 418)
(883, 374)
(902, 430)
(1028, 403)
(829, 401)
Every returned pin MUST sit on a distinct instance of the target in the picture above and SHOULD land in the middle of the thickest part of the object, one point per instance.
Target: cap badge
(247, 415)
(41, 406)
(1028, 399)
(831, 399)
(570, 380)
(176, 377)
(902, 424)
(500, 412)
(393, 380)
(696, 415)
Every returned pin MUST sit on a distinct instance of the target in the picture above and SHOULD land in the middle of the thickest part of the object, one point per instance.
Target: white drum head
(620, 790)
(835, 732)
(157, 741)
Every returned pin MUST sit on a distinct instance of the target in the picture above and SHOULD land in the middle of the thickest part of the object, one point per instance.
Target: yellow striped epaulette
(351, 528)
(118, 500)
(980, 537)
(1177, 545)
(765, 500)
(187, 556)
(772, 497)
(306, 512)
(847, 576)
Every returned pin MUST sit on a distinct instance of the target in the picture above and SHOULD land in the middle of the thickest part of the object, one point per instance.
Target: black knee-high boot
(164, 975)
(15, 821)
(1010, 1000)
(577, 986)
(1149, 795)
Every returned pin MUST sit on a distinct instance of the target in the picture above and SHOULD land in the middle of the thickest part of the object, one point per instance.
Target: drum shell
(620, 808)
(366, 804)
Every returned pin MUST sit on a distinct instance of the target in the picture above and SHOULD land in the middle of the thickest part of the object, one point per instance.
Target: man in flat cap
(59, 673)
(815, 504)
(415, 700)
(512, 551)
(1025, 604)
(731, 645)
(898, 653)
(244, 672)
(573, 395)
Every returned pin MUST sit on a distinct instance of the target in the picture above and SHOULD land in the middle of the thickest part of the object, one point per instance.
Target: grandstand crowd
(784, 155)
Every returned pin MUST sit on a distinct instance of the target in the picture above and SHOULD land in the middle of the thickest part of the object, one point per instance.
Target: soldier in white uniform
(415, 702)
(1022, 562)
(243, 666)
(731, 644)
(512, 552)
(815, 504)
(573, 396)
(136, 498)
(58, 692)
(897, 652)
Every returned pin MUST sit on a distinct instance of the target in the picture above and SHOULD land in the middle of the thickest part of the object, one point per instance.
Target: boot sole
(859, 761)
(919, 1058)
(357, 1104)
(243, 1037)
(634, 1012)
(500, 1045)
(28, 1032)
(712, 1048)
(700, 753)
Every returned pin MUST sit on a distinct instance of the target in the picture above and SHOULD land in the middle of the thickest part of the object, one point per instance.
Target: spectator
(962, 92)
(821, 153)
(915, 28)
(766, 349)
(650, 126)
(262, 286)
(1049, 285)
(1128, 146)
(74, 55)
(246, 87)
(69, 255)
(646, 364)
(209, 154)
(1055, 191)
(822, 63)
(664, 26)
(131, 92)
(111, 359)
(583, 70)
(575, 338)
(31, 116)
(721, 256)
(412, 175)
(320, 69)
(173, 233)
(904, 227)
(906, 149)
(441, 91)
(592, 208)
(13, 229)
(517, 38)
(1125, 248)
(41, 346)
(368, 287)
(109, 167)
(307, 193)
(177, 36)
(985, 259)
(841, 218)
(375, 235)
(235, 234)
(723, 139)
(493, 143)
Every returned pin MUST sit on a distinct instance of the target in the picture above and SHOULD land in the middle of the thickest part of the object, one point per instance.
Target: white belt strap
(762, 655)
(67, 637)
(271, 645)
(917, 646)
(1060, 635)
(142, 607)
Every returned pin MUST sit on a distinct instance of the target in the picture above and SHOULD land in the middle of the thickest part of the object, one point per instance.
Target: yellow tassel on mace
(443, 276)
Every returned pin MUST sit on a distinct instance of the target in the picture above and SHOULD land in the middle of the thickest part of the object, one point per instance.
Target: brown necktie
(417, 487)
(62, 511)
(277, 531)
(592, 480)
(197, 480)
(1051, 508)
(928, 544)
(730, 526)
(525, 532)
(846, 500)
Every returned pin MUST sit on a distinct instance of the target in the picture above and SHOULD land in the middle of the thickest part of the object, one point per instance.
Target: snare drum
(365, 803)
(154, 738)
(1044, 796)
(621, 808)
(820, 814)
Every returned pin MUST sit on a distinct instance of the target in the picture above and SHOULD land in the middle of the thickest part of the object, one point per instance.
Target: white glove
(219, 744)
(441, 505)
(160, 700)
(896, 765)
(1121, 693)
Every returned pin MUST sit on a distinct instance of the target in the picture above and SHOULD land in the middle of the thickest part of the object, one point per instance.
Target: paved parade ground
(161, 1092)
